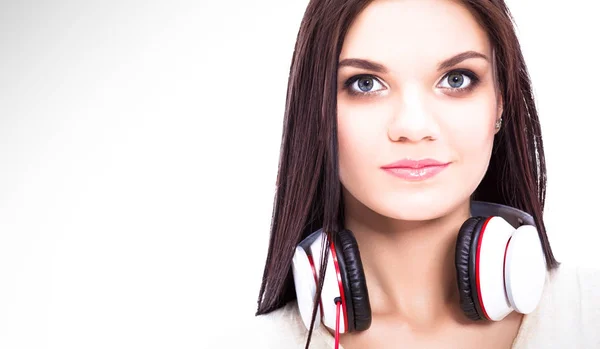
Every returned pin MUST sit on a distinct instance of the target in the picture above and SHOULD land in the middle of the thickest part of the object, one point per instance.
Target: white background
(138, 154)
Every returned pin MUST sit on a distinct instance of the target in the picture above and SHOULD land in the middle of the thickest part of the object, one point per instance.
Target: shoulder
(575, 288)
(281, 328)
(569, 311)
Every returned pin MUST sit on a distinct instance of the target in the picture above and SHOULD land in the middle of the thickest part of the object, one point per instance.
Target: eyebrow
(380, 68)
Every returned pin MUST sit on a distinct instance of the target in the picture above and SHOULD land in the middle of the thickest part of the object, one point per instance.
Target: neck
(409, 265)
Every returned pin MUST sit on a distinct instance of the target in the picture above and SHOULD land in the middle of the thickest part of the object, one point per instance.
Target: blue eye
(459, 80)
(363, 84)
(456, 80)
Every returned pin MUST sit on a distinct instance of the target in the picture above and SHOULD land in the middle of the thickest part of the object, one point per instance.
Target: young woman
(411, 187)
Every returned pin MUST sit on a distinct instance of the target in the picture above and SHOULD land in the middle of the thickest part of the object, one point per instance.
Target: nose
(413, 119)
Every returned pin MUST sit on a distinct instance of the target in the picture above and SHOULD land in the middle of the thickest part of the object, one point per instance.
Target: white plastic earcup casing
(525, 269)
(331, 289)
(306, 288)
(494, 236)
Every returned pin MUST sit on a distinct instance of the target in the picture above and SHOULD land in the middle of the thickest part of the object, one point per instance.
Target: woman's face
(415, 82)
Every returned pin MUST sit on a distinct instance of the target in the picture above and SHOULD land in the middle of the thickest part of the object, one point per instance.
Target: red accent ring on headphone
(339, 279)
(312, 266)
(477, 268)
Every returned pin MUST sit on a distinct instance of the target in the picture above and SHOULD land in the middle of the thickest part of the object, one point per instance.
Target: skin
(406, 229)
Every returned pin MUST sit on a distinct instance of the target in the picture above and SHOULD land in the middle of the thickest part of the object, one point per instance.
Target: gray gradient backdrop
(138, 155)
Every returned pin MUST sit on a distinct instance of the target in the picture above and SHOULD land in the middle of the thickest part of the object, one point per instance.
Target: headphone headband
(512, 215)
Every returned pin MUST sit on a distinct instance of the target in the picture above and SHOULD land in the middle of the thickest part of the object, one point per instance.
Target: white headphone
(500, 266)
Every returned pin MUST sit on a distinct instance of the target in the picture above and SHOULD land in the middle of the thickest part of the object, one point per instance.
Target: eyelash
(459, 90)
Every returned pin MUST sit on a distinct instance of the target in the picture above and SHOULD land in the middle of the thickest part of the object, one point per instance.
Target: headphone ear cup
(465, 258)
(305, 284)
(355, 285)
(525, 271)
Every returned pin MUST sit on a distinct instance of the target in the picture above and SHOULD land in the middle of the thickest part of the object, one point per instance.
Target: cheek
(361, 139)
(469, 132)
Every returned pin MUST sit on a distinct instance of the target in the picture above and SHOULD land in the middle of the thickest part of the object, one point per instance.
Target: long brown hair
(308, 194)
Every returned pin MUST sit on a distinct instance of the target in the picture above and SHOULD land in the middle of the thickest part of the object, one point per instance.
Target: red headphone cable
(338, 302)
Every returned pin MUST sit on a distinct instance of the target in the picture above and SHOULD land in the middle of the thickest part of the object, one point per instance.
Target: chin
(421, 206)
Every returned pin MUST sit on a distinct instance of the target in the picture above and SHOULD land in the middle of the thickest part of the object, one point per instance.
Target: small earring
(498, 123)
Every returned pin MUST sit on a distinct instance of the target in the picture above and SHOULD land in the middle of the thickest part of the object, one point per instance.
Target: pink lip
(415, 170)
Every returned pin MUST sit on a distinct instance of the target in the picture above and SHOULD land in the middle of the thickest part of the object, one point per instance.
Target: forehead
(405, 34)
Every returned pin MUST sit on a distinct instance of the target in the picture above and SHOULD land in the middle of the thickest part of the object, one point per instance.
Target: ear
(499, 109)
(500, 105)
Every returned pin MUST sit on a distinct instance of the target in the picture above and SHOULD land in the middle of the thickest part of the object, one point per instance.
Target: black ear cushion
(357, 296)
(473, 267)
(465, 258)
(345, 283)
